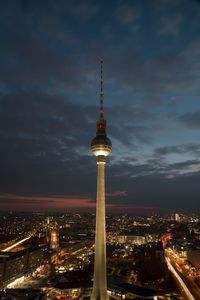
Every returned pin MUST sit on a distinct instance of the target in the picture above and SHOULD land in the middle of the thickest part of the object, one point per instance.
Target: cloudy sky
(49, 97)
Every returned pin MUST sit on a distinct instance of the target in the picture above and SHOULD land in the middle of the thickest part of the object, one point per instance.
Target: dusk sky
(50, 55)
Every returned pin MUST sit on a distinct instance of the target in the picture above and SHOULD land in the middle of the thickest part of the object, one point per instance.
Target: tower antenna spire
(101, 92)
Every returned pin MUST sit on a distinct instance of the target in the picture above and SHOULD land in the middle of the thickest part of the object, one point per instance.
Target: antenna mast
(101, 92)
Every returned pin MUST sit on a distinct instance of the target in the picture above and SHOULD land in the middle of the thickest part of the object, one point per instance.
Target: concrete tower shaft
(100, 275)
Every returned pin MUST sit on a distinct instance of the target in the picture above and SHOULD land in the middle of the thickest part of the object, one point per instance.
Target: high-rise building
(101, 147)
(54, 239)
(177, 217)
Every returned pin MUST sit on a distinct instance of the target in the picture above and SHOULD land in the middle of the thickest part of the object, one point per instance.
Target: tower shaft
(100, 277)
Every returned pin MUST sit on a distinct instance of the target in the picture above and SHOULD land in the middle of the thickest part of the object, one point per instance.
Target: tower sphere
(101, 145)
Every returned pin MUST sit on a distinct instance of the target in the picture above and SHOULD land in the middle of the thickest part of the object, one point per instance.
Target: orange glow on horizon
(22, 202)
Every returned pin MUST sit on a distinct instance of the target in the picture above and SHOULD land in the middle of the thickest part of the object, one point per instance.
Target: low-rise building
(14, 265)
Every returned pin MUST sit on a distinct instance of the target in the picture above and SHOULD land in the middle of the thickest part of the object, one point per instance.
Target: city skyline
(49, 91)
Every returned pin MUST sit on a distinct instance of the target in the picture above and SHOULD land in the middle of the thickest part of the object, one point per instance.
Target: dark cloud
(154, 167)
(31, 63)
(150, 79)
(170, 25)
(83, 11)
(39, 115)
(150, 184)
(184, 165)
(191, 120)
(45, 143)
(40, 142)
(179, 149)
(127, 14)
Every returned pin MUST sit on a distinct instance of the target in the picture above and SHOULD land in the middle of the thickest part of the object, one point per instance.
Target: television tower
(101, 147)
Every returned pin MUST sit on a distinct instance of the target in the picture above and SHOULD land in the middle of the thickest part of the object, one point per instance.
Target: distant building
(193, 256)
(177, 217)
(54, 239)
(132, 239)
(25, 294)
(181, 251)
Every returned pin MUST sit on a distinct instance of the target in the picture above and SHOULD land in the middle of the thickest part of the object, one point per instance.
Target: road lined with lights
(16, 244)
(188, 280)
(179, 279)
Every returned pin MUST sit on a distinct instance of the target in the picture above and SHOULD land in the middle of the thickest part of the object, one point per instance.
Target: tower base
(99, 295)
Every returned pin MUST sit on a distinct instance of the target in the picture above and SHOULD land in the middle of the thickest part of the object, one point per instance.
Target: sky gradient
(49, 98)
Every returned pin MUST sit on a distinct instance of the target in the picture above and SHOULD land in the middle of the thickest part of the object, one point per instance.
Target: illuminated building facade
(54, 239)
(14, 265)
(132, 239)
(177, 217)
(101, 147)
